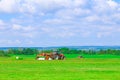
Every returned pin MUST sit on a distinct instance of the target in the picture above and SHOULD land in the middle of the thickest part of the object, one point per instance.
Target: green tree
(64, 50)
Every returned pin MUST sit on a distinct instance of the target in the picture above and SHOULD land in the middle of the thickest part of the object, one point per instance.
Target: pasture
(69, 69)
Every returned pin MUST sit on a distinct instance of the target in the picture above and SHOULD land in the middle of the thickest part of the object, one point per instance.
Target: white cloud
(16, 42)
(16, 27)
(24, 31)
(8, 5)
(103, 34)
(38, 6)
(66, 31)
(92, 18)
(60, 18)
(60, 32)
(10, 42)
(27, 6)
(79, 2)
(71, 14)
(86, 33)
(30, 42)
(28, 34)
(107, 28)
(1, 22)
(54, 21)
(105, 6)
(3, 25)
(23, 28)
(112, 4)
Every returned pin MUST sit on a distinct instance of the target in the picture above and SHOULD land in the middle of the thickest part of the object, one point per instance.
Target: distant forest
(30, 51)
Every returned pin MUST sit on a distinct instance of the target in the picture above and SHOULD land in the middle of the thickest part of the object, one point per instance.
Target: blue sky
(59, 23)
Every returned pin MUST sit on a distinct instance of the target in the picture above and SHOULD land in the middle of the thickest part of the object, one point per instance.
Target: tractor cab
(56, 52)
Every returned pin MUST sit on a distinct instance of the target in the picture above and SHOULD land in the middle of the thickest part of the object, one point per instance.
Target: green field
(102, 68)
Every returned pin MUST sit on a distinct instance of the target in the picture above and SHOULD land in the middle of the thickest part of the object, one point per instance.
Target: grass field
(69, 69)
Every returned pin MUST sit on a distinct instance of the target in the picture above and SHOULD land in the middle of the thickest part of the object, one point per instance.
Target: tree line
(24, 51)
(30, 51)
(90, 51)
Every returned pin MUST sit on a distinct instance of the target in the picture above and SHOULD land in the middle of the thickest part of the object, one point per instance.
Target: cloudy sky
(59, 22)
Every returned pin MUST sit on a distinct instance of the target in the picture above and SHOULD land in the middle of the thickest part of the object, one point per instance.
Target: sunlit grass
(69, 69)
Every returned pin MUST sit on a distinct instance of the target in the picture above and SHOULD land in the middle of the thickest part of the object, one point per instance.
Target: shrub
(19, 58)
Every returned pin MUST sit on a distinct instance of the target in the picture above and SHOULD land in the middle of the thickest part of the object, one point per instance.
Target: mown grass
(92, 56)
(73, 56)
(68, 69)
